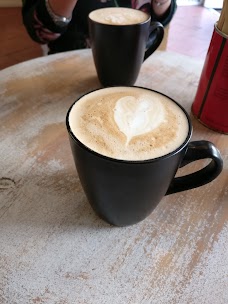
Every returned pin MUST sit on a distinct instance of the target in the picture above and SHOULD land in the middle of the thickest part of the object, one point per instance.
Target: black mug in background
(121, 43)
(124, 189)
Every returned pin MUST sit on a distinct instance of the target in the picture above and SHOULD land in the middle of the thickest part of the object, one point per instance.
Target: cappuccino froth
(128, 123)
(118, 16)
(137, 116)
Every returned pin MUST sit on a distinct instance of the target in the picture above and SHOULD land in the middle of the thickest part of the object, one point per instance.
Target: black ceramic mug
(120, 45)
(125, 176)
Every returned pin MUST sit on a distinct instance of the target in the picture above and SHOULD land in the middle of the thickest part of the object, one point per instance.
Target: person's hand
(160, 6)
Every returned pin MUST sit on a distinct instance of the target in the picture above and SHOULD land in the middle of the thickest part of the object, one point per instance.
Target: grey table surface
(53, 248)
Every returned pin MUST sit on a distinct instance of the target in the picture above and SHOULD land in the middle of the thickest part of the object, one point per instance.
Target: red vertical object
(211, 101)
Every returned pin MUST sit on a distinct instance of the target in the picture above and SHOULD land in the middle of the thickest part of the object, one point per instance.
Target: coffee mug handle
(198, 150)
(156, 34)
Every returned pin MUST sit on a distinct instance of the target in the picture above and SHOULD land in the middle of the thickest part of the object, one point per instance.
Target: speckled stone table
(53, 248)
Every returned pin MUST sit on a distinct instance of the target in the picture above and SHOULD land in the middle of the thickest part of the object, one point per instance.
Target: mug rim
(119, 25)
(108, 158)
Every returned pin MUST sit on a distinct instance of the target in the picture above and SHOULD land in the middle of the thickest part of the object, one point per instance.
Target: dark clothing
(42, 29)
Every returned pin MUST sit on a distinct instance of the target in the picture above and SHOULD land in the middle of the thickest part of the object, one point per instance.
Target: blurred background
(189, 32)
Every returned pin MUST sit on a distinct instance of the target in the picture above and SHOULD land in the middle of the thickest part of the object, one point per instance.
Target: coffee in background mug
(121, 39)
(128, 143)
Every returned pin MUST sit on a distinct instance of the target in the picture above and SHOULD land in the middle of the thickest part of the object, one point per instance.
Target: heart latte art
(137, 116)
(128, 123)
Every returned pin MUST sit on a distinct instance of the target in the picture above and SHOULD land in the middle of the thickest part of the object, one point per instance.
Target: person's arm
(163, 10)
(38, 22)
(62, 7)
(160, 7)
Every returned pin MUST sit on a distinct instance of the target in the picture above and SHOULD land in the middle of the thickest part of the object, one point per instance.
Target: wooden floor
(189, 33)
(16, 46)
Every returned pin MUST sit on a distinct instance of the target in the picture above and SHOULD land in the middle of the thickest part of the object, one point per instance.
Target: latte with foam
(118, 16)
(128, 123)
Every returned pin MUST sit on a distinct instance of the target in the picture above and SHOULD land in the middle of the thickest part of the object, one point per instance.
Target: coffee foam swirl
(137, 116)
(128, 123)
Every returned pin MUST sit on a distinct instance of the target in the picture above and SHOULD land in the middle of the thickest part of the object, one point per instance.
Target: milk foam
(128, 123)
(118, 16)
(136, 116)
